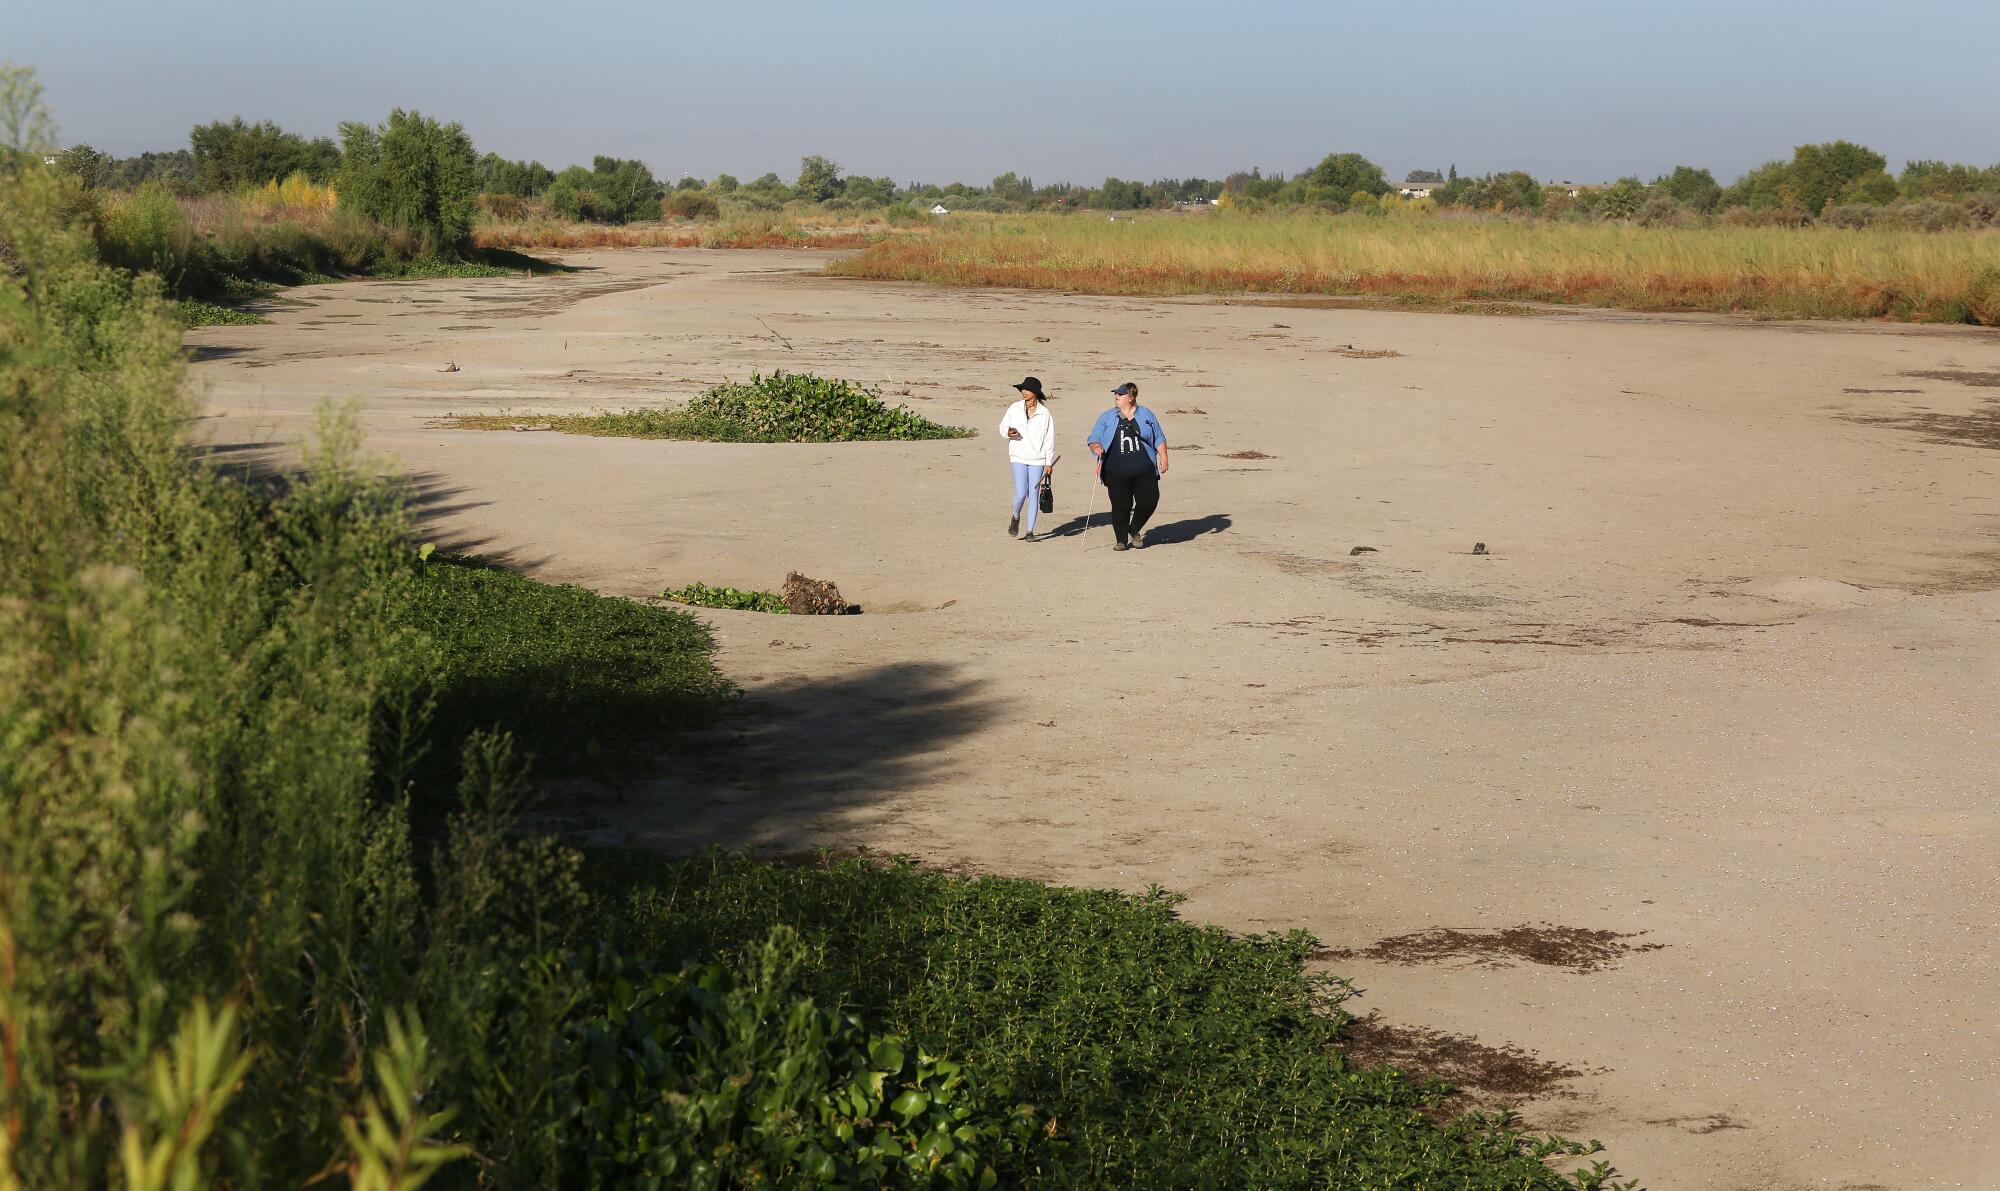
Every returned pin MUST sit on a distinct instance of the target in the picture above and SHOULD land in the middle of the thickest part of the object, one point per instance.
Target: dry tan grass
(1791, 272)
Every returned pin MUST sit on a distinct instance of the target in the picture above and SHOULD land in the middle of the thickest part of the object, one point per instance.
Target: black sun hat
(1032, 385)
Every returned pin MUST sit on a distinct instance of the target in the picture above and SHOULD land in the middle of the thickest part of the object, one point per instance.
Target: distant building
(939, 210)
(1416, 189)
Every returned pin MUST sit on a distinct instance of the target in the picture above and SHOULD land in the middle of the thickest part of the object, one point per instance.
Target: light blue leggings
(1027, 487)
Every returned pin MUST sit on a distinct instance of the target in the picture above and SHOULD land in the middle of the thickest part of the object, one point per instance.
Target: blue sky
(946, 91)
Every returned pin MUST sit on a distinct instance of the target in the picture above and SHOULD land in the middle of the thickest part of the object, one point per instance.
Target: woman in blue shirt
(1131, 449)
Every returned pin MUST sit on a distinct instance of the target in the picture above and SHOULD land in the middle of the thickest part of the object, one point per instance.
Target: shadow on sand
(1168, 534)
(801, 766)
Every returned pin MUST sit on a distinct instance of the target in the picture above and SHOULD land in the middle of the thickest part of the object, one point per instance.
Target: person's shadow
(1175, 532)
(1169, 534)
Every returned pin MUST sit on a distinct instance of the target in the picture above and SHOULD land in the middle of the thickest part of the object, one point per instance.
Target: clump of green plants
(1151, 1052)
(791, 407)
(571, 675)
(709, 1075)
(196, 313)
(701, 595)
(800, 407)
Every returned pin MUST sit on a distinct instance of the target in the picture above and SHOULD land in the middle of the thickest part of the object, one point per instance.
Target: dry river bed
(1671, 816)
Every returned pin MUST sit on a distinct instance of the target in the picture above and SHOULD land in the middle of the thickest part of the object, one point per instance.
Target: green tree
(1424, 176)
(613, 190)
(819, 178)
(1117, 195)
(231, 154)
(1621, 199)
(25, 125)
(1347, 173)
(526, 179)
(414, 173)
(89, 167)
(173, 169)
(1691, 188)
(726, 183)
(1821, 172)
(1761, 189)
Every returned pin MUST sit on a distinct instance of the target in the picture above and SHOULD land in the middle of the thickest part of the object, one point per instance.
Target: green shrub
(1852, 215)
(229, 155)
(1932, 215)
(412, 173)
(1153, 1053)
(782, 407)
(569, 673)
(798, 407)
(611, 191)
(713, 1077)
(690, 204)
(148, 231)
(702, 595)
(213, 700)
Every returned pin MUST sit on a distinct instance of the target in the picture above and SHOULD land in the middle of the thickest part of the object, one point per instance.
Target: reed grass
(1817, 272)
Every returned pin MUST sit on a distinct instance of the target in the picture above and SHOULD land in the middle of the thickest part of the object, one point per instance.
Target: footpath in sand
(1673, 815)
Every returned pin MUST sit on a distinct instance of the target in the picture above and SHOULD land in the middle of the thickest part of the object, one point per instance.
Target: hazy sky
(946, 91)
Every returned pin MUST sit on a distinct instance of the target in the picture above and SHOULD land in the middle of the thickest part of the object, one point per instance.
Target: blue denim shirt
(1150, 431)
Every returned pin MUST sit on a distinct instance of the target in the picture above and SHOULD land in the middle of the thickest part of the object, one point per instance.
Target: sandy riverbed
(1714, 716)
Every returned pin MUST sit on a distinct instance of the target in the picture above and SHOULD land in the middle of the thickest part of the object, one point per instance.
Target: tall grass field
(1817, 272)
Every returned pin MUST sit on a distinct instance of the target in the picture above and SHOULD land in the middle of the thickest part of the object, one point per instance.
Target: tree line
(1838, 182)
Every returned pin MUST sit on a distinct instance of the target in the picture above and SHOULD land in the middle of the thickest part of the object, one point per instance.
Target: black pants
(1133, 500)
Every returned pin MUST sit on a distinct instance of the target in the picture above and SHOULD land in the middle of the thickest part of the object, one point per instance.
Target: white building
(939, 210)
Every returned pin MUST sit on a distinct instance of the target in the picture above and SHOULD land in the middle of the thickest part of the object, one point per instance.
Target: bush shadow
(799, 765)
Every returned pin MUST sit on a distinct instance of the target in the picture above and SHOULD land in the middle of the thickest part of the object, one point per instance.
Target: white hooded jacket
(1037, 443)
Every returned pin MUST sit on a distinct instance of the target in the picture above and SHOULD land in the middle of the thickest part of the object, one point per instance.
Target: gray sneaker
(1120, 546)
(1013, 527)
(1138, 539)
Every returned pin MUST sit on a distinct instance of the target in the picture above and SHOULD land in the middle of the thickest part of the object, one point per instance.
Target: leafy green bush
(189, 813)
(719, 1077)
(149, 231)
(569, 673)
(611, 191)
(690, 204)
(1154, 1053)
(799, 407)
(412, 173)
(783, 407)
(229, 155)
(703, 596)
(1852, 215)
(1931, 215)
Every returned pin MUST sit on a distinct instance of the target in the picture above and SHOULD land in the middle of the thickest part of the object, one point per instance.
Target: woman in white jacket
(1031, 451)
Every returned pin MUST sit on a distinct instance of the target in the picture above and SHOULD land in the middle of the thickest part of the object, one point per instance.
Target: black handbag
(1048, 493)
